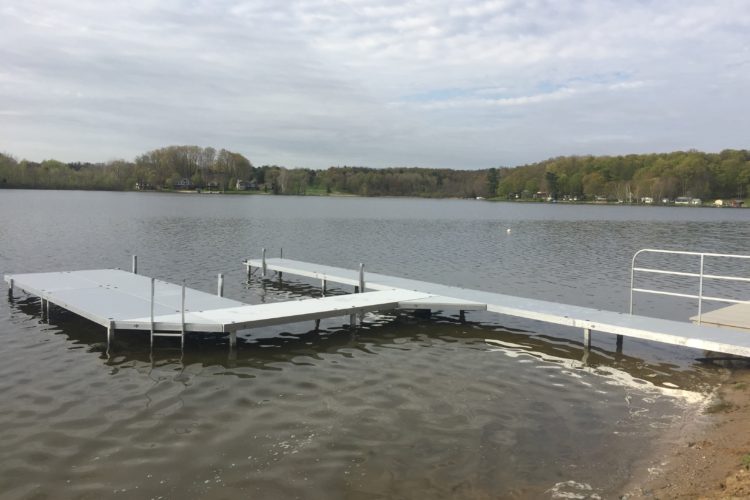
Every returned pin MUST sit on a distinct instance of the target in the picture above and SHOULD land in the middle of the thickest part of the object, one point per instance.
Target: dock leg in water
(619, 344)
(587, 338)
(10, 289)
(232, 340)
(324, 286)
(110, 334)
(317, 325)
(352, 320)
(462, 316)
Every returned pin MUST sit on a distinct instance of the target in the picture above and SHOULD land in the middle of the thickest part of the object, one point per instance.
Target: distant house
(143, 186)
(737, 203)
(245, 185)
(696, 201)
(666, 201)
(647, 200)
(682, 200)
(183, 184)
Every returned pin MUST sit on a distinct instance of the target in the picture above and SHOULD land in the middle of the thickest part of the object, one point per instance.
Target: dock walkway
(710, 338)
(119, 300)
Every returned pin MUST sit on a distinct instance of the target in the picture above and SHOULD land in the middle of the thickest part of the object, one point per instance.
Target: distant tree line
(633, 177)
(626, 178)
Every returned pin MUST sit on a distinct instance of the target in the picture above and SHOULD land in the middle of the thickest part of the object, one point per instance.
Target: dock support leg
(220, 285)
(110, 334)
(356, 289)
(352, 320)
(48, 309)
(324, 286)
(232, 340)
(43, 304)
(10, 289)
(263, 263)
(619, 343)
(462, 316)
(587, 338)
(317, 325)
(135, 264)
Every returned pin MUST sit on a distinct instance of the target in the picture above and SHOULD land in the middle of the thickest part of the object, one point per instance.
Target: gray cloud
(466, 84)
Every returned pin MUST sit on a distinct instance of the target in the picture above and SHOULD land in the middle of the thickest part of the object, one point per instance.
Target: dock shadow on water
(401, 407)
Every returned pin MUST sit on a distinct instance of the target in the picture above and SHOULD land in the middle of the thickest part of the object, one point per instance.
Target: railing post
(135, 264)
(361, 278)
(700, 291)
(632, 282)
(220, 285)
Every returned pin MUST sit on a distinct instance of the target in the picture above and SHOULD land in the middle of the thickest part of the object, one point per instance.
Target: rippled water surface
(403, 407)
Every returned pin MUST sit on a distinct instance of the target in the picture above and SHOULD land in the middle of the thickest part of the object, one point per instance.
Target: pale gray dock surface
(122, 300)
(736, 316)
(708, 338)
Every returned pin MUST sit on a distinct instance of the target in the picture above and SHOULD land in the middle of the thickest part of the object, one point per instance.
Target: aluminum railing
(702, 276)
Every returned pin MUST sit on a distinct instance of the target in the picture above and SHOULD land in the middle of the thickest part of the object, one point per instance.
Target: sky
(425, 83)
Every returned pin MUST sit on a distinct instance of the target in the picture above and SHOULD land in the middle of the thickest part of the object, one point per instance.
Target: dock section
(119, 300)
(709, 338)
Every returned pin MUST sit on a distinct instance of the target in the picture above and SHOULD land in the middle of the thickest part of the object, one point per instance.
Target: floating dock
(704, 337)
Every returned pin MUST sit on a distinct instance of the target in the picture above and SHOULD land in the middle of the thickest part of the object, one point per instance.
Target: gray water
(405, 407)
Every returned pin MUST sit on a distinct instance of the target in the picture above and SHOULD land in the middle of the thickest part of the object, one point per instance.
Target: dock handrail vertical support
(263, 264)
(700, 291)
(152, 311)
(361, 278)
(220, 285)
(182, 317)
(135, 264)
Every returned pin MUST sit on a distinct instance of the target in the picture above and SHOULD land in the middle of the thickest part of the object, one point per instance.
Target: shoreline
(707, 454)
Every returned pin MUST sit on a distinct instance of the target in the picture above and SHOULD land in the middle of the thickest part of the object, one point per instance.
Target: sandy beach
(708, 456)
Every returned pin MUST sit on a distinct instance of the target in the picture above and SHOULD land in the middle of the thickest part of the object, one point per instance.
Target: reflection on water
(403, 407)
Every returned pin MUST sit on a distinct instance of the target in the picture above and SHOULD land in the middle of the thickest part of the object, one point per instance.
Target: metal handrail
(701, 277)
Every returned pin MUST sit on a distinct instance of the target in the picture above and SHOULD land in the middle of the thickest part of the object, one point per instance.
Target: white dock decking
(703, 337)
(119, 300)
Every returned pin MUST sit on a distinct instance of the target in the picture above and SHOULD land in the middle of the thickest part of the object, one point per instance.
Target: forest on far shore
(627, 178)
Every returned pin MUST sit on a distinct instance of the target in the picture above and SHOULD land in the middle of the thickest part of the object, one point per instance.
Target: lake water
(405, 407)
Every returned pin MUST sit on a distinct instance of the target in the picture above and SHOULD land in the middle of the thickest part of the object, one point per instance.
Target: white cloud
(323, 82)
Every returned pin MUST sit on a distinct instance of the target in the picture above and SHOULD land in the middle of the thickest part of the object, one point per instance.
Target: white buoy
(507, 231)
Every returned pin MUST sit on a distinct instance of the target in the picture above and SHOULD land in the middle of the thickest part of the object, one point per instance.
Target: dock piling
(10, 289)
(182, 317)
(361, 277)
(135, 264)
(263, 265)
(220, 285)
(324, 286)
(587, 338)
(232, 339)
(152, 312)
(619, 343)
(110, 333)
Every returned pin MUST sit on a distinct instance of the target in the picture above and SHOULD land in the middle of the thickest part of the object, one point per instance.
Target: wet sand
(708, 456)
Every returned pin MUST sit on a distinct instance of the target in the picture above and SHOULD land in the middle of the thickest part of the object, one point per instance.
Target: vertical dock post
(317, 324)
(10, 288)
(352, 320)
(361, 278)
(152, 312)
(587, 338)
(220, 285)
(619, 343)
(462, 316)
(263, 264)
(135, 264)
(182, 317)
(281, 256)
(232, 339)
(324, 286)
(110, 333)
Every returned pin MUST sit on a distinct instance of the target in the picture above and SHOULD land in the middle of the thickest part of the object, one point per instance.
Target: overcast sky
(431, 83)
